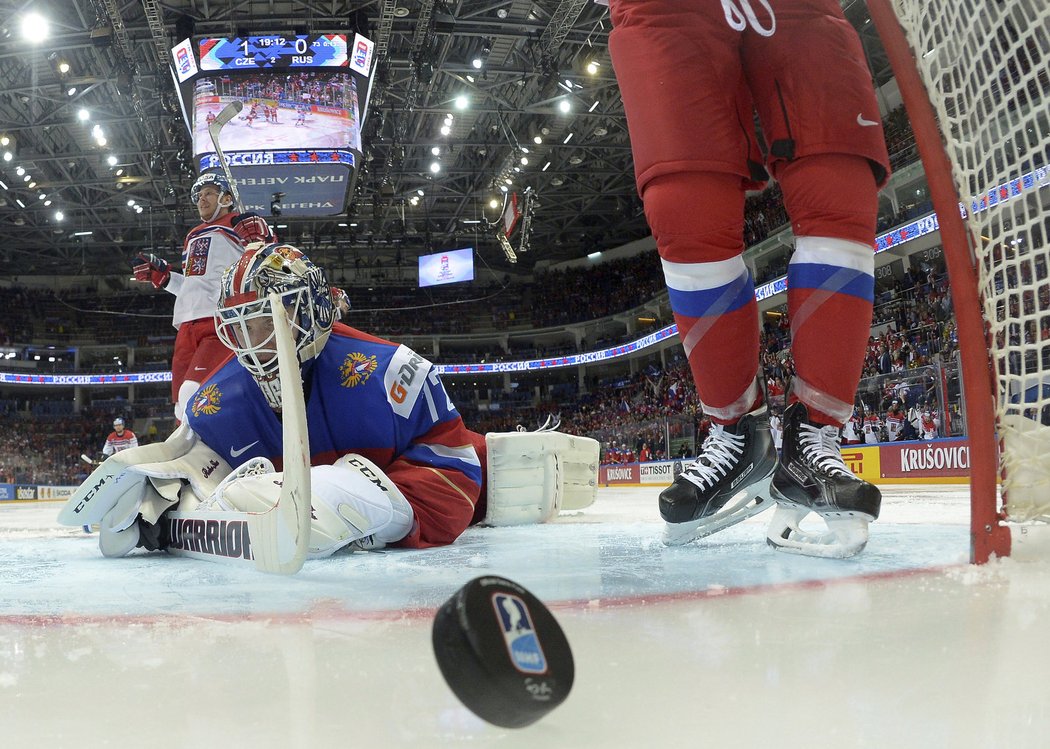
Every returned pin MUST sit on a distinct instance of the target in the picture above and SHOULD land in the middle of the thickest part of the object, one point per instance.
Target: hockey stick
(276, 540)
(88, 460)
(228, 112)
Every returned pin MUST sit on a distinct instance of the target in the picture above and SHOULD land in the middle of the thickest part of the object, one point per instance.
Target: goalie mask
(243, 320)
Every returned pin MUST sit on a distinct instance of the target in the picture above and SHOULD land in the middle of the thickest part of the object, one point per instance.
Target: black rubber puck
(502, 652)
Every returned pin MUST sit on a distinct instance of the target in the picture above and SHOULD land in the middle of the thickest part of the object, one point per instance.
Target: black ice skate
(812, 477)
(727, 483)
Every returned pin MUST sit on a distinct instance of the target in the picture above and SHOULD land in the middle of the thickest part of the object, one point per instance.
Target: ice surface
(723, 642)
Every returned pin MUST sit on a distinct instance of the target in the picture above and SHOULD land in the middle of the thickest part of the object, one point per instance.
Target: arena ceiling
(536, 54)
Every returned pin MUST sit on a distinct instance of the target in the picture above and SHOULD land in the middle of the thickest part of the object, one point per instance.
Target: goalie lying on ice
(392, 461)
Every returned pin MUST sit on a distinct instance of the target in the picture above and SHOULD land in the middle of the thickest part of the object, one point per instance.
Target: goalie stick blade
(228, 112)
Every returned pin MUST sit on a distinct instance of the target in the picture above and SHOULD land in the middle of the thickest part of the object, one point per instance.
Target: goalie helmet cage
(982, 69)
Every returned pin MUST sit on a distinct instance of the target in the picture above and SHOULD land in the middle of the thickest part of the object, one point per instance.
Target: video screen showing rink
(303, 109)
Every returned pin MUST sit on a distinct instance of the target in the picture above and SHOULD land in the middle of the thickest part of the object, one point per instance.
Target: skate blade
(742, 505)
(847, 533)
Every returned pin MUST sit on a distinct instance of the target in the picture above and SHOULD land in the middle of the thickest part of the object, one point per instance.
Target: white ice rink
(723, 643)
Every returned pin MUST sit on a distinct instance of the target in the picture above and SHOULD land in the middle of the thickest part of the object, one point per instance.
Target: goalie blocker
(182, 496)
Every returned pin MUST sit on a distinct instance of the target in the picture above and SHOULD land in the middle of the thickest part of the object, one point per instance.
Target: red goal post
(975, 80)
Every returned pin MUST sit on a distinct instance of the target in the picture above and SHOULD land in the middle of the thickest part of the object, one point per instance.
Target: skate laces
(721, 452)
(820, 448)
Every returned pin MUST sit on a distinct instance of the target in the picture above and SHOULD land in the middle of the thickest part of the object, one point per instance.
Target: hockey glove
(251, 229)
(341, 303)
(152, 269)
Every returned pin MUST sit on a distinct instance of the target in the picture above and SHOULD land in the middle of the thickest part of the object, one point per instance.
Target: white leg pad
(351, 501)
(532, 476)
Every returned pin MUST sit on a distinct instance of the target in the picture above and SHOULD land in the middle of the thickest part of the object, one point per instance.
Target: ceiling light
(32, 185)
(59, 216)
(20, 171)
(63, 67)
(120, 172)
(436, 150)
(524, 161)
(20, 203)
(5, 141)
(493, 203)
(592, 67)
(477, 62)
(420, 193)
(567, 138)
(35, 27)
(462, 101)
(435, 167)
(537, 140)
(71, 91)
(83, 233)
(111, 160)
(564, 105)
(3, 185)
(131, 203)
(8, 155)
(43, 196)
(47, 202)
(545, 167)
(445, 130)
(83, 115)
(502, 13)
(593, 107)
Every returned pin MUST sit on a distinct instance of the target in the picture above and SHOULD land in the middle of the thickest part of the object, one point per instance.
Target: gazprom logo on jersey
(519, 634)
(404, 378)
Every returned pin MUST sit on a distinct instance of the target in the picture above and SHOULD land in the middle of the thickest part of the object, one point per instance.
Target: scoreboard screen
(303, 100)
(262, 52)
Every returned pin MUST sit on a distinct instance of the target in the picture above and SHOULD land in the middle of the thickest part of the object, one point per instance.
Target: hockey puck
(502, 652)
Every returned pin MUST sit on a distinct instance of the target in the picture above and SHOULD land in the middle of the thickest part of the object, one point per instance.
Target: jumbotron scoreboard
(268, 52)
(296, 143)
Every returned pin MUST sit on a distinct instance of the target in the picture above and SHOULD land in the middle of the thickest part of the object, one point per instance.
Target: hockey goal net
(985, 145)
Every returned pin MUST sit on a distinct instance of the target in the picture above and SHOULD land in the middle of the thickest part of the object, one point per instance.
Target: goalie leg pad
(352, 501)
(532, 476)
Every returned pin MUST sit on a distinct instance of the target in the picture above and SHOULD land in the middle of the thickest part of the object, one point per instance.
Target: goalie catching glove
(151, 269)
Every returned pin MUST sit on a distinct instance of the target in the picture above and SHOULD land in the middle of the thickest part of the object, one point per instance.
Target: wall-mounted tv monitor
(450, 266)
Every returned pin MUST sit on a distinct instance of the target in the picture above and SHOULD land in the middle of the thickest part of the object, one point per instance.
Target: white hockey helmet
(243, 320)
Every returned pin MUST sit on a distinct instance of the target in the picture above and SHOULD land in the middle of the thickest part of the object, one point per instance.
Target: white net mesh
(986, 67)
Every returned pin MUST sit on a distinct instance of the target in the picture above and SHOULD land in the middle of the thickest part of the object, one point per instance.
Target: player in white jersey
(121, 438)
(776, 429)
(895, 419)
(872, 427)
(209, 249)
